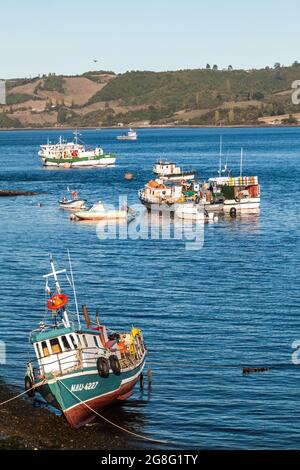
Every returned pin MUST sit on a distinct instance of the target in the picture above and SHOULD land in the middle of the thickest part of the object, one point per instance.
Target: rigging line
(140, 436)
(74, 290)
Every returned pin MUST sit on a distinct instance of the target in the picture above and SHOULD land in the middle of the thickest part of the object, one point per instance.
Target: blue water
(205, 314)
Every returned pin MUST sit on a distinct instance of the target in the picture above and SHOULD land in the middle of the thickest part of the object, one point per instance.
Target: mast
(54, 274)
(241, 162)
(221, 151)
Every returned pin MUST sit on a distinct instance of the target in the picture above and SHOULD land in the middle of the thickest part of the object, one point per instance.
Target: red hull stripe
(79, 415)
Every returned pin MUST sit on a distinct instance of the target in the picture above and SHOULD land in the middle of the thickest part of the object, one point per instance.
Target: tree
(62, 115)
(215, 67)
(217, 117)
(230, 68)
(296, 64)
(208, 67)
(277, 65)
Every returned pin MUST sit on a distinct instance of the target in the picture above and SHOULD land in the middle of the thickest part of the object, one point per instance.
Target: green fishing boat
(81, 369)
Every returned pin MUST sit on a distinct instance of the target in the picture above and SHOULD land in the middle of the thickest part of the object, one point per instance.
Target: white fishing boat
(161, 195)
(73, 154)
(98, 212)
(168, 171)
(231, 195)
(129, 135)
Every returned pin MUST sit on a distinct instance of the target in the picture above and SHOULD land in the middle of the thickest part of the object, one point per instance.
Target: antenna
(241, 163)
(74, 291)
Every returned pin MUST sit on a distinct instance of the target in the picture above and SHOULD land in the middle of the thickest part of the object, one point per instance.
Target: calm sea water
(205, 314)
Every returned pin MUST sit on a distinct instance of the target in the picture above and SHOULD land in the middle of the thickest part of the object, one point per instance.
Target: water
(205, 314)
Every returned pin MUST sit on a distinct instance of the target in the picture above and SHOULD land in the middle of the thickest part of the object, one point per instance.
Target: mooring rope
(140, 436)
(21, 394)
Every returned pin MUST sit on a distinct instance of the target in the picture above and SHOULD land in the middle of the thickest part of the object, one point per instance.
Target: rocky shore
(13, 192)
(26, 425)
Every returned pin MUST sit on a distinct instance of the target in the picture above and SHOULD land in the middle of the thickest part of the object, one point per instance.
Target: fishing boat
(98, 212)
(129, 135)
(168, 171)
(231, 195)
(74, 154)
(162, 195)
(81, 369)
(72, 204)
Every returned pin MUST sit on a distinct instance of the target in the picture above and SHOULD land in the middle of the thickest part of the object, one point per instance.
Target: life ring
(57, 301)
(28, 384)
(115, 364)
(103, 367)
(232, 212)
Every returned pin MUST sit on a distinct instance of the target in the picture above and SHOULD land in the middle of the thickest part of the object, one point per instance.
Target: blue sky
(65, 36)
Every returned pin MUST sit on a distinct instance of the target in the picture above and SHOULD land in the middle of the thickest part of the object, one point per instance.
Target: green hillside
(184, 97)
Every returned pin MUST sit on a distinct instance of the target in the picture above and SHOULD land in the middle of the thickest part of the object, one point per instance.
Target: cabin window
(65, 343)
(45, 349)
(79, 340)
(73, 341)
(39, 349)
(85, 341)
(96, 342)
(55, 346)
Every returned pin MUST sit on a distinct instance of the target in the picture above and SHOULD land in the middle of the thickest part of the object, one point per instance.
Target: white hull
(112, 215)
(84, 163)
(177, 178)
(243, 205)
(73, 205)
(126, 138)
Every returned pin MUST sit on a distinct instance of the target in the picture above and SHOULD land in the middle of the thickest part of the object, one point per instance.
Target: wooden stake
(149, 377)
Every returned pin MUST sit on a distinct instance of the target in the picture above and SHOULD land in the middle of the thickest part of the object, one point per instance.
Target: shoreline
(163, 126)
(24, 424)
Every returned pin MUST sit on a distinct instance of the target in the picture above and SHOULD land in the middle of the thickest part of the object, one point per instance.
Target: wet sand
(26, 425)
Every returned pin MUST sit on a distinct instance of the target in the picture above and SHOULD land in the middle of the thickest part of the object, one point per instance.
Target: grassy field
(141, 98)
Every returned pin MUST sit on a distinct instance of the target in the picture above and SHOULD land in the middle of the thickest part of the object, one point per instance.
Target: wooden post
(86, 316)
(142, 381)
(149, 377)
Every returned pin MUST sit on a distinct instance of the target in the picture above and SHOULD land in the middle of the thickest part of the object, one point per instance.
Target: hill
(137, 98)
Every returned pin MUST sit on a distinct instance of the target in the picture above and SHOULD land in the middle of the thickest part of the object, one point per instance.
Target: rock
(12, 192)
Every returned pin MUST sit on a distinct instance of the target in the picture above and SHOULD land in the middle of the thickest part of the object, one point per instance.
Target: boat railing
(74, 359)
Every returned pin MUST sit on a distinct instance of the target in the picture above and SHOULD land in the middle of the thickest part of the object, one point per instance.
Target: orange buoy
(57, 301)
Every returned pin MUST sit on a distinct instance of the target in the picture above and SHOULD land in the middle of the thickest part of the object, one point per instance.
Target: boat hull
(79, 394)
(79, 162)
(181, 177)
(72, 205)
(242, 206)
(112, 215)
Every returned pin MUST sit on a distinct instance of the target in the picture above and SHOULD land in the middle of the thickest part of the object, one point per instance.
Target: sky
(64, 36)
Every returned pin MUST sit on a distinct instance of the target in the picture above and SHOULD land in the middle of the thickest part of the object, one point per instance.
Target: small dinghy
(193, 212)
(74, 203)
(98, 212)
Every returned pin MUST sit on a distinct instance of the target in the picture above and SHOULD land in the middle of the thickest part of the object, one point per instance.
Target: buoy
(128, 176)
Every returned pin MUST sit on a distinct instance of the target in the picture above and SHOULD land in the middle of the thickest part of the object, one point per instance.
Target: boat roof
(42, 335)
